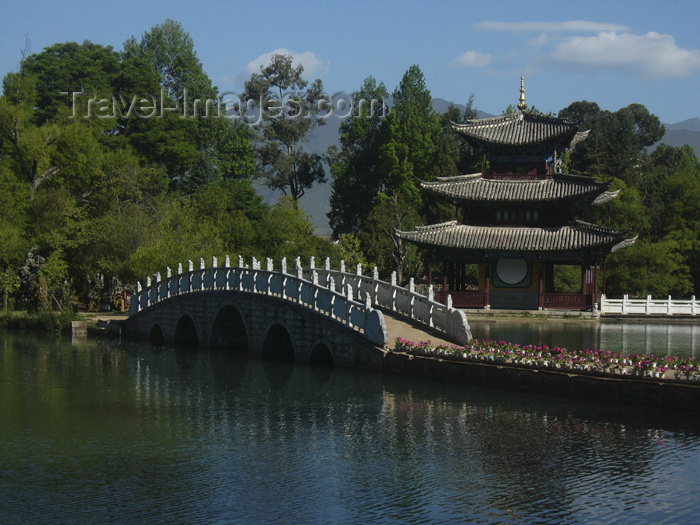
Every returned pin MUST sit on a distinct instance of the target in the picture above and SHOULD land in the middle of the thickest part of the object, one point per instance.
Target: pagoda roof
(519, 129)
(475, 188)
(521, 241)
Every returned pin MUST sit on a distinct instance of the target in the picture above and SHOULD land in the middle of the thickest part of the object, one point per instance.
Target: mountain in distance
(692, 124)
(316, 201)
(682, 133)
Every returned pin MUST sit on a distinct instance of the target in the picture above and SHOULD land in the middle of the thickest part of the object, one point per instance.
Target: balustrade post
(284, 265)
(670, 306)
(393, 291)
(202, 264)
(214, 261)
(342, 266)
(179, 268)
(375, 284)
(314, 278)
(647, 308)
(328, 264)
(349, 294)
(269, 264)
(312, 263)
(692, 305)
(138, 287)
(359, 268)
(449, 303)
(148, 281)
(331, 285)
(227, 262)
(411, 296)
(240, 261)
(431, 305)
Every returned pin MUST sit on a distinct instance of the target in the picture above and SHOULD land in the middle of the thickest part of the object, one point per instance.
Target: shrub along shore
(41, 321)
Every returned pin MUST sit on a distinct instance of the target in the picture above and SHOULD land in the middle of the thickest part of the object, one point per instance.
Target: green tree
(355, 167)
(382, 245)
(647, 268)
(61, 69)
(200, 148)
(283, 96)
(617, 142)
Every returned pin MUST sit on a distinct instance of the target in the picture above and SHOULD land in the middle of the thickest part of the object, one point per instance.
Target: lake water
(110, 432)
(682, 339)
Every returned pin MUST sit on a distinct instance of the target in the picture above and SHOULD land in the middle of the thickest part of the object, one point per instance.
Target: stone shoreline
(664, 392)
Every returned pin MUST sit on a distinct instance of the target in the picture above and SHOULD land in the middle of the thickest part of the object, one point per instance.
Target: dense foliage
(93, 194)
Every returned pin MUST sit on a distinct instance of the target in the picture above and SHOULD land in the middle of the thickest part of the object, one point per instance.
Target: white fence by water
(649, 306)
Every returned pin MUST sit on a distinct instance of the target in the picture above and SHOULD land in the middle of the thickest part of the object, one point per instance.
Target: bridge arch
(278, 344)
(156, 338)
(186, 333)
(321, 356)
(229, 331)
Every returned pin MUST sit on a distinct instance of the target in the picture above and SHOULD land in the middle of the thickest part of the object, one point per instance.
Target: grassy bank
(42, 321)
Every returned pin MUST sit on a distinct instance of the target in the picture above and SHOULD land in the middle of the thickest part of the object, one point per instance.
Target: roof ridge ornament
(522, 105)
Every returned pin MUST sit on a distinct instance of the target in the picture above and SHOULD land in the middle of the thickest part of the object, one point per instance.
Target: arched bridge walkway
(309, 315)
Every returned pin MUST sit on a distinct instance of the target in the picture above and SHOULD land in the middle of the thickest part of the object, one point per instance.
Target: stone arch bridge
(311, 316)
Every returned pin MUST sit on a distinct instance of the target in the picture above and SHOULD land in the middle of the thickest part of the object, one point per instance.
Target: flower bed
(598, 361)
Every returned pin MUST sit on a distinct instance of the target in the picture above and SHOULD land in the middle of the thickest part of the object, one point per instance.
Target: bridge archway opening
(228, 332)
(156, 338)
(186, 334)
(321, 357)
(277, 345)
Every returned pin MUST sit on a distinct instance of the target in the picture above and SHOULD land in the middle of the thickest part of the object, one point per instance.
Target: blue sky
(613, 53)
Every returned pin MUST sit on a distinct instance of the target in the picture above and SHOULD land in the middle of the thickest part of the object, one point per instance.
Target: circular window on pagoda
(511, 271)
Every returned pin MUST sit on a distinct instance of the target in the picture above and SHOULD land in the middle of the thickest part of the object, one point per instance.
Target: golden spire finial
(522, 105)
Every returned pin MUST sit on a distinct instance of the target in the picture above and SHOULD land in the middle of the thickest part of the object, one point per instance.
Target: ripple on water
(161, 441)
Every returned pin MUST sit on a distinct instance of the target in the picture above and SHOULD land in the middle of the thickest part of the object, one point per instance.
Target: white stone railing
(337, 306)
(348, 298)
(401, 301)
(649, 306)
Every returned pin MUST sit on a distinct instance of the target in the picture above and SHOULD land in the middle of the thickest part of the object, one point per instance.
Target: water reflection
(658, 338)
(122, 433)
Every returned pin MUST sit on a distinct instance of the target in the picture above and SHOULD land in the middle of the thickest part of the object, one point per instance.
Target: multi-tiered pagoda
(519, 215)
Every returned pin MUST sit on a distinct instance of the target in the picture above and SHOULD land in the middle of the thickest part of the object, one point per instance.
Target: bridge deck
(400, 328)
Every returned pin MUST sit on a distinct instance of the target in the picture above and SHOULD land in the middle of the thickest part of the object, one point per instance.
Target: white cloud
(472, 59)
(540, 41)
(652, 55)
(312, 64)
(548, 27)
